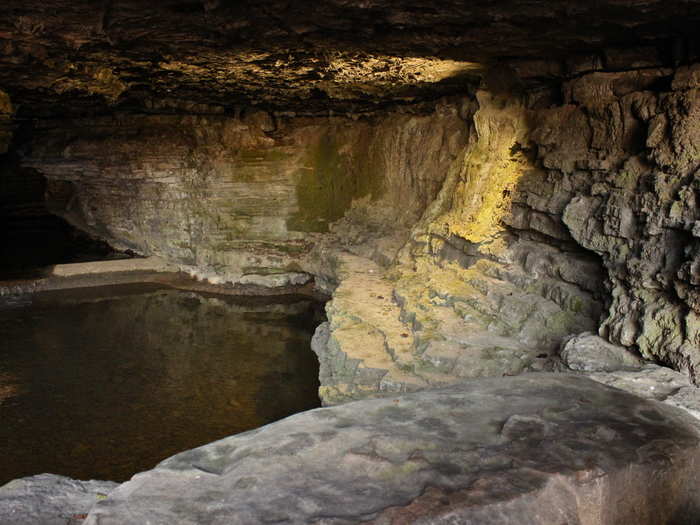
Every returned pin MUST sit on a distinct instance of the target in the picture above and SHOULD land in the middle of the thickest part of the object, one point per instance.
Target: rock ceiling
(69, 56)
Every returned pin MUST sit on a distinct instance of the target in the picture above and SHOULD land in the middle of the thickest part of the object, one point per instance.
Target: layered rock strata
(634, 137)
(494, 274)
(241, 199)
(58, 58)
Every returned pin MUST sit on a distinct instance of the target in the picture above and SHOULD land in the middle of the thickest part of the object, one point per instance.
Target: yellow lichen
(490, 174)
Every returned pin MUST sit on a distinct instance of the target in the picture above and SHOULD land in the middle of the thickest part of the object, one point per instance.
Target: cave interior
(469, 184)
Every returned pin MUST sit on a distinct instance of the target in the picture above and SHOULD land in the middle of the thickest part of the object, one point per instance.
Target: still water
(105, 382)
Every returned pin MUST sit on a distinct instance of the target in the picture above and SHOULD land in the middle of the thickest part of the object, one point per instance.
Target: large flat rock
(532, 449)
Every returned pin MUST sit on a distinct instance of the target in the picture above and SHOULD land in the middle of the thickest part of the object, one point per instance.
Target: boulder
(587, 352)
(532, 449)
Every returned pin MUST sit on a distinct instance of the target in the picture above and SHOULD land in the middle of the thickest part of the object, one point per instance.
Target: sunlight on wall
(478, 196)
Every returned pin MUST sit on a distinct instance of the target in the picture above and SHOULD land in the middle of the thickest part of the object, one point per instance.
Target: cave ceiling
(61, 57)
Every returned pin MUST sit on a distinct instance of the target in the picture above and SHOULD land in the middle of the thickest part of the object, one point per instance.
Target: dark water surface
(105, 382)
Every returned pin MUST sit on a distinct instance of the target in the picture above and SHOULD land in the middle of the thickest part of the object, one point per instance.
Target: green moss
(330, 181)
(576, 305)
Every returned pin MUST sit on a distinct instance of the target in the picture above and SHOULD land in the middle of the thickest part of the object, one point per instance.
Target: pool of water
(105, 382)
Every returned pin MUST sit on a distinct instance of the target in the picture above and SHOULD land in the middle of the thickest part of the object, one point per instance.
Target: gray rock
(47, 499)
(655, 382)
(532, 449)
(587, 352)
(651, 381)
(686, 398)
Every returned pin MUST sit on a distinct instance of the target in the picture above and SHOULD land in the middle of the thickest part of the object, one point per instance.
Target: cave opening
(33, 238)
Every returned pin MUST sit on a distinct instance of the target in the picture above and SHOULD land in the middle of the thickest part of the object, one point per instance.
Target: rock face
(47, 499)
(241, 199)
(494, 274)
(487, 285)
(537, 449)
(460, 239)
(639, 211)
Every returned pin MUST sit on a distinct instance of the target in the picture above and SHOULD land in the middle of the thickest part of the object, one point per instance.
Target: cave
(498, 202)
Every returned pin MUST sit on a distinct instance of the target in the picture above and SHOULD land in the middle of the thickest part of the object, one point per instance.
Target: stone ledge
(537, 448)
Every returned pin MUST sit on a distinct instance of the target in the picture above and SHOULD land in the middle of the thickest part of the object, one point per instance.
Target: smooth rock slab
(532, 449)
(47, 499)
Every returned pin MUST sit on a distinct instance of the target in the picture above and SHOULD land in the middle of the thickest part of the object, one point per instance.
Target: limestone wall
(243, 197)
(633, 141)
(464, 241)
(558, 217)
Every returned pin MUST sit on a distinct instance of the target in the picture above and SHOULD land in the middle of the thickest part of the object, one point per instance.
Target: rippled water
(105, 382)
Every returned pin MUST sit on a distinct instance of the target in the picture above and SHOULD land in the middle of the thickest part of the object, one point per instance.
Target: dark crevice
(31, 238)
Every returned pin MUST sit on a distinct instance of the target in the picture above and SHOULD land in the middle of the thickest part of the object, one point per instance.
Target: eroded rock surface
(549, 211)
(462, 242)
(213, 55)
(636, 147)
(558, 181)
(537, 448)
(243, 199)
(483, 286)
(47, 499)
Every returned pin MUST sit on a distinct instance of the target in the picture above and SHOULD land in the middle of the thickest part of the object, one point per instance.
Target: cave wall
(613, 169)
(633, 141)
(567, 211)
(241, 198)
(464, 239)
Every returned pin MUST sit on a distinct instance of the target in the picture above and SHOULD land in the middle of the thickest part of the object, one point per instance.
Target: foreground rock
(595, 358)
(48, 499)
(655, 382)
(536, 448)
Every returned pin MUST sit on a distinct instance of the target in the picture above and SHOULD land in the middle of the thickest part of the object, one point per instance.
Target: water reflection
(103, 383)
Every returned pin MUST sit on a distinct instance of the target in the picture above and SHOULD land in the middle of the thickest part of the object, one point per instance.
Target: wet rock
(47, 499)
(591, 353)
(536, 448)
